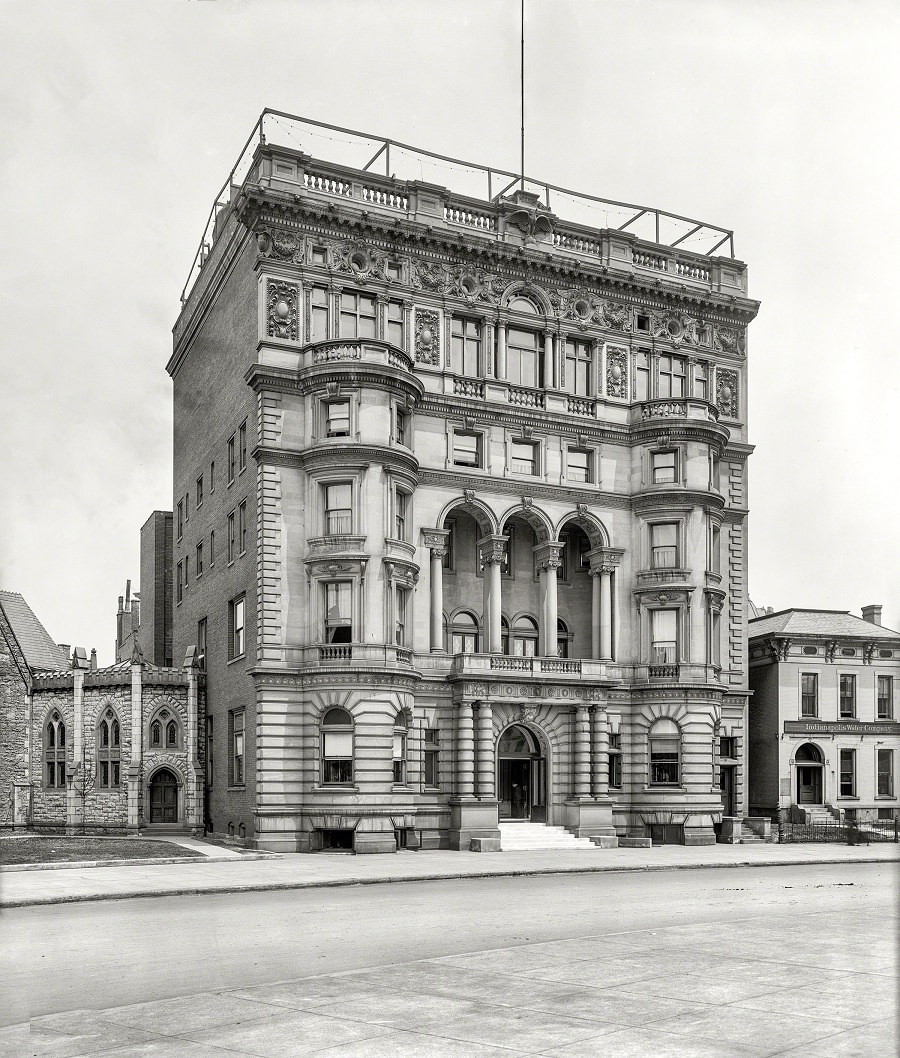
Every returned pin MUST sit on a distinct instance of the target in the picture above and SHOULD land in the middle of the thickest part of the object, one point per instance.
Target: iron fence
(848, 832)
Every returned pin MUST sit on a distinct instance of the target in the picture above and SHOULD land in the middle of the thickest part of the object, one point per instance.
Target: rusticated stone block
(635, 843)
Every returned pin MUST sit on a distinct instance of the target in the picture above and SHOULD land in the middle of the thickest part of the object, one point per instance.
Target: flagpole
(522, 88)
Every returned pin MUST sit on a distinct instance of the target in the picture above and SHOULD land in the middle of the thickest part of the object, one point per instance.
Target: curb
(344, 883)
(200, 857)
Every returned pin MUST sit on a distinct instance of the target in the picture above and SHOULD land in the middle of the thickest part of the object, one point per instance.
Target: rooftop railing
(403, 162)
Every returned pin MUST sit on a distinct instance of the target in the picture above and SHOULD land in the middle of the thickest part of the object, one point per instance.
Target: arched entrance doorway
(810, 769)
(521, 776)
(164, 797)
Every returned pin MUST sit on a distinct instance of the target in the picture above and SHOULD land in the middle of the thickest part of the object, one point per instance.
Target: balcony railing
(356, 653)
(500, 664)
(678, 408)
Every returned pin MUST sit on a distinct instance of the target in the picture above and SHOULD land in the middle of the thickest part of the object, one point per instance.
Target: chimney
(66, 649)
(93, 657)
(872, 613)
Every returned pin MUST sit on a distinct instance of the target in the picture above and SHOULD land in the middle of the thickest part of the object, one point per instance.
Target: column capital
(492, 549)
(436, 540)
(604, 559)
(548, 555)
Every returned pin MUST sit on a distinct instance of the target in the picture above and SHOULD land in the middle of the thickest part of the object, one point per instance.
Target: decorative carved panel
(427, 342)
(282, 301)
(727, 392)
(616, 371)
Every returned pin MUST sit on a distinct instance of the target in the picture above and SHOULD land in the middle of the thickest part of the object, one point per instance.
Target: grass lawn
(61, 849)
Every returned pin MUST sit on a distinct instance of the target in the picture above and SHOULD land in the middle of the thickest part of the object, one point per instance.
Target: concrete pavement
(226, 872)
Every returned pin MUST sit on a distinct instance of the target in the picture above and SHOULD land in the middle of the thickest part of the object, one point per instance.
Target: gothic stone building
(823, 733)
(95, 749)
(460, 498)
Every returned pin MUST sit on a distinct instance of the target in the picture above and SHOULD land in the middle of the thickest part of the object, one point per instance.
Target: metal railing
(849, 832)
(404, 162)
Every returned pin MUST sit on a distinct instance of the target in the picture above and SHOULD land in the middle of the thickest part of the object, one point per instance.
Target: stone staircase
(819, 814)
(526, 836)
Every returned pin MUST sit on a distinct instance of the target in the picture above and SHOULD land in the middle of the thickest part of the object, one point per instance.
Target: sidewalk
(234, 874)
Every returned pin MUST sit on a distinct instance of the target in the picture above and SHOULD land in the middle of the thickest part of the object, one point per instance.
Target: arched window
(400, 733)
(665, 753)
(563, 636)
(337, 747)
(108, 750)
(504, 636)
(165, 730)
(808, 754)
(464, 634)
(55, 752)
(524, 637)
(522, 304)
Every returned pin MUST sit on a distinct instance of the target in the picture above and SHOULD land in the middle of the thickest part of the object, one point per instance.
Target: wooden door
(164, 797)
(809, 784)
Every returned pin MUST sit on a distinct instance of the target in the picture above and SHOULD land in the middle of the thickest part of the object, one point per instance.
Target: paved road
(106, 954)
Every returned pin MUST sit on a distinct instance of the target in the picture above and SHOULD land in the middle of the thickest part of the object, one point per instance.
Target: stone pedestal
(730, 832)
(474, 819)
(588, 817)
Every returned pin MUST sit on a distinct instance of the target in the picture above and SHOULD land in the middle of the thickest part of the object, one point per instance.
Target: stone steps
(526, 836)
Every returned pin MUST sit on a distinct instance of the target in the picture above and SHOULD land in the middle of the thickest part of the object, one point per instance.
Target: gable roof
(34, 640)
(835, 623)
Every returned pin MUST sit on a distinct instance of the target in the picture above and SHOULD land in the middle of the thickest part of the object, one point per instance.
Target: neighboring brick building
(823, 729)
(148, 616)
(117, 748)
(460, 498)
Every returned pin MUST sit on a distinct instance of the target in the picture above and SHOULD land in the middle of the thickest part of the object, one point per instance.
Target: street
(575, 957)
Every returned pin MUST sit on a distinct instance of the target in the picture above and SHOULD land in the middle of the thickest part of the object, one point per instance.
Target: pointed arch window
(55, 752)
(165, 730)
(109, 737)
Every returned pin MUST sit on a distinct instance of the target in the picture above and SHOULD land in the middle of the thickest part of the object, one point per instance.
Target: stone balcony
(329, 656)
(649, 411)
(504, 666)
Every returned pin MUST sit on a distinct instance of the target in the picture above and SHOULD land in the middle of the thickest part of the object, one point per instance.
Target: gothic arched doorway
(521, 775)
(164, 797)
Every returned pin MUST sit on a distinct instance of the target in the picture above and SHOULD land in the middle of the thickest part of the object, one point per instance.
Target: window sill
(885, 797)
(343, 787)
(848, 797)
(237, 657)
(235, 787)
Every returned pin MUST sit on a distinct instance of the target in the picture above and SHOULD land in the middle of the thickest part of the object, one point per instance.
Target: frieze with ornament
(729, 340)
(282, 310)
(616, 371)
(281, 245)
(359, 260)
(727, 392)
(551, 692)
(427, 343)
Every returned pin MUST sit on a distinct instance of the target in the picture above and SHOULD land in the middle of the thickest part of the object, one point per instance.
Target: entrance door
(515, 789)
(809, 784)
(164, 797)
(726, 785)
(520, 776)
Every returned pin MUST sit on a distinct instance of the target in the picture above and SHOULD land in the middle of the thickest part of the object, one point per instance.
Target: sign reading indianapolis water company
(841, 727)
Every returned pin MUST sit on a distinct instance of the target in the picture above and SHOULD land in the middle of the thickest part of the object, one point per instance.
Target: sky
(119, 123)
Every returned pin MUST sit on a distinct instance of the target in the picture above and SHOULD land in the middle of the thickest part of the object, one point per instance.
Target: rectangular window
(523, 457)
(199, 502)
(401, 597)
(847, 696)
(727, 746)
(242, 527)
(432, 755)
(714, 646)
(466, 449)
(615, 760)
(885, 769)
(663, 467)
(885, 698)
(338, 621)
(236, 628)
(465, 346)
(395, 323)
(187, 506)
(319, 256)
(809, 694)
(664, 761)
(401, 504)
(713, 470)
(357, 315)
(201, 643)
(179, 582)
(231, 459)
(580, 465)
(236, 717)
(212, 476)
(338, 509)
(337, 418)
(579, 359)
(179, 520)
(399, 760)
(523, 360)
(401, 426)
(664, 637)
(641, 376)
(231, 538)
(700, 381)
(198, 562)
(212, 547)
(664, 546)
(848, 772)
(242, 446)
(318, 314)
(671, 376)
(337, 756)
(715, 561)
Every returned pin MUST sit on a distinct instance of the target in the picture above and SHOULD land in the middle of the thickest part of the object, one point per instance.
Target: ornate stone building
(824, 736)
(460, 498)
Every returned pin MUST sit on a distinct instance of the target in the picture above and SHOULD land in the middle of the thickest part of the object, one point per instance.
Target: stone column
(135, 764)
(485, 747)
(582, 752)
(600, 765)
(606, 614)
(595, 614)
(491, 551)
(548, 559)
(436, 540)
(501, 350)
(75, 775)
(193, 808)
(465, 751)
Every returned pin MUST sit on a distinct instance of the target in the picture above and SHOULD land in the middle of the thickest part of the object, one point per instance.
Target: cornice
(562, 493)
(361, 676)
(347, 455)
(673, 498)
(316, 377)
